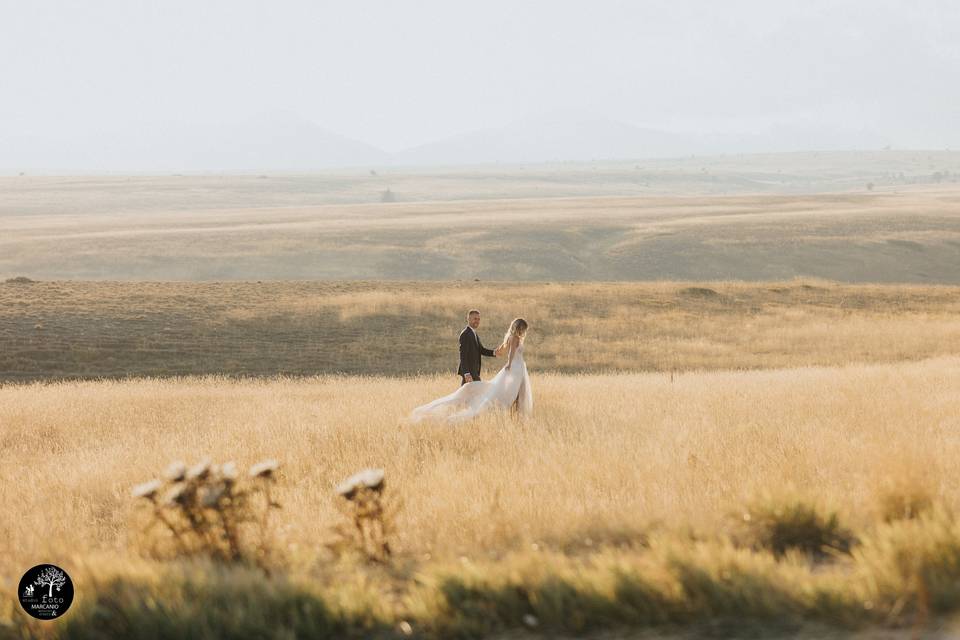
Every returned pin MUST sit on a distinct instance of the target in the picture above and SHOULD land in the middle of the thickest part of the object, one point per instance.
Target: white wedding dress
(509, 386)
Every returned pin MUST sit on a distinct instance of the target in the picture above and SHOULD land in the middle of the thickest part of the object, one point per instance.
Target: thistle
(206, 509)
(371, 513)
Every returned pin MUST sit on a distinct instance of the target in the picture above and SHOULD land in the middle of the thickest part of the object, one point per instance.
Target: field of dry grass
(746, 374)
(241, 228)
(630, 475)
(116, 329)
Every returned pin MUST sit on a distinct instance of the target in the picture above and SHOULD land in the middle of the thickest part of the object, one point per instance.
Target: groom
(471, 349)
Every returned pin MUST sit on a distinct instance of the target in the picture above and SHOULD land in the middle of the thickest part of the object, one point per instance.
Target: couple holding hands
(509, 389)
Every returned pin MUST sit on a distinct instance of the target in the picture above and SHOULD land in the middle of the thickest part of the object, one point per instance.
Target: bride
(510, 388)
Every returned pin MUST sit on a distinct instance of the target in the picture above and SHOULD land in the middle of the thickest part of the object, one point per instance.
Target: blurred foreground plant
(780, 525)
(209, 510)
(371, 513)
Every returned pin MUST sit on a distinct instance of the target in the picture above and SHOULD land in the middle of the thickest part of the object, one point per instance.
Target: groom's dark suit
(470, 351)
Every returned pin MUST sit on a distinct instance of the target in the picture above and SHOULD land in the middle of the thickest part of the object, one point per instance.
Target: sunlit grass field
(746, 376)
(619, 505)
(75, 329)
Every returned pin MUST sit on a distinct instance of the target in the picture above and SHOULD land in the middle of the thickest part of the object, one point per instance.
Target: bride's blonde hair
(517, 328)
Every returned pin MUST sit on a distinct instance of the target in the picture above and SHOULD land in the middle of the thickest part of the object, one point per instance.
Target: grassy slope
(94, 329)
(160, 229)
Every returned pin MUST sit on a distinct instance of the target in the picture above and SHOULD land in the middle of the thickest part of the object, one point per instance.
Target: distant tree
(372, 172)
(387, 196)
(869, 186)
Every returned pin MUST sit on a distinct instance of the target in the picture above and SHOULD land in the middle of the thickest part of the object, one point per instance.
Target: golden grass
(609, 461)
(115, 329)
(620, 505)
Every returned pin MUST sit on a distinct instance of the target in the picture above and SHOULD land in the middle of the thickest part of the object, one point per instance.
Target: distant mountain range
(287, 142)
(284, 142)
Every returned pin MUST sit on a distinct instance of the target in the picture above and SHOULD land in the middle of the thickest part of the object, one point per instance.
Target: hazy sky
(396, 74)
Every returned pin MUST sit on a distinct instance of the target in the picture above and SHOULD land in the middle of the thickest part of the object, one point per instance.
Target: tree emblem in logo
(52, 577)
(46, 591)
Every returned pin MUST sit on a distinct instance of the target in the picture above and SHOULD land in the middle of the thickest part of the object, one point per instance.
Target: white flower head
(264, 469)
(147, 490)
(372, 479)
(228, 471)
(200, 470)
(176, 472)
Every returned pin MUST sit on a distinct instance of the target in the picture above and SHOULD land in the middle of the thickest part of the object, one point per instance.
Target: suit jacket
(470, 351)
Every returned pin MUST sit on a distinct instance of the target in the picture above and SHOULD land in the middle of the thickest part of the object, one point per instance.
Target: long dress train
(508, 388)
